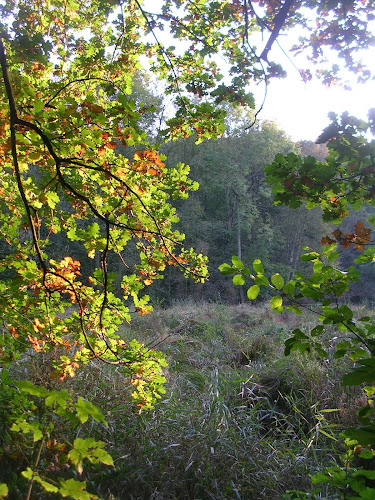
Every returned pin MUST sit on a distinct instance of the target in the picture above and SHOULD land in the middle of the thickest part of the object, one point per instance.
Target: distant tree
(232, 212)
(309, 148)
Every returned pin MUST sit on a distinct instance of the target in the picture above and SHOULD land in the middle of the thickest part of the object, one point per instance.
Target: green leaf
(276, 302)
(72, 234)
(277, 281)
(333, 256)
(295, 310)
(75, 489)
(367, 454)
(258, 266)
(85, 409)
(60, 398)
(238, 279)
(319, 478)
(317, 330)
(38, 106)
(366, 493)
(246, 271)
(91, 450)
(358, 376)
(103, 457)
(364, 435)
(364, 413)
(3, 490)
(30, 388)
(340, 353)
(93, 229)
(226, 269)
(28, 473)
(253, 292)
(260, 279)
(369, 390)
(50, 488)
(52, 199)
(25, 427)
(237, 263)
(334, 475)
(330, 410)
(364, 373)
(310, 256)
(34, 476)
(289, 288)
(369, 474)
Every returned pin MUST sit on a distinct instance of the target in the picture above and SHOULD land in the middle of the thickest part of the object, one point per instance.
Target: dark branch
(278, 23)
(13, 123)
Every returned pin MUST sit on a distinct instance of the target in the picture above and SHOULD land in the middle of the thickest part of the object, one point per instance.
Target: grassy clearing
(238, 421)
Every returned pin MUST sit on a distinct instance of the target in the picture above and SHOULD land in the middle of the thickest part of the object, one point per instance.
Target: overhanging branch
(278, 23)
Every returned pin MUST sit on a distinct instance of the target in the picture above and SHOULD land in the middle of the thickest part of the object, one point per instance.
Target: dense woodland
(232, 212)
(186, 295)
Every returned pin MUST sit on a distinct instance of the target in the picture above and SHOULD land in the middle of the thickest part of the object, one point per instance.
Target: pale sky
(301, 108)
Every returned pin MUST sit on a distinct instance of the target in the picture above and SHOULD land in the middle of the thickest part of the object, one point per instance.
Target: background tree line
(232, 212)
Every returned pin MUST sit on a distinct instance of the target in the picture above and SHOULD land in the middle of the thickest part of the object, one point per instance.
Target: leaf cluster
(36, 416)
(343, 182)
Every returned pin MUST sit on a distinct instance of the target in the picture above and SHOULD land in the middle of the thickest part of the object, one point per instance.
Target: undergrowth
(238, 420)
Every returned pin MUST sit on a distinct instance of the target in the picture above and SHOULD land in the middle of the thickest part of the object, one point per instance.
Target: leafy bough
(343, 182)
(321, 293)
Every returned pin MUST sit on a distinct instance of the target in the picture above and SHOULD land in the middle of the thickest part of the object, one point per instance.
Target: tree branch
(278, 22)
(13, 123)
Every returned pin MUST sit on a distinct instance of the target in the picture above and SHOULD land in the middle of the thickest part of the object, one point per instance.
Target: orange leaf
(337, 234)
(94, 108)
(142, 310)
(138, 155)
(326, 240)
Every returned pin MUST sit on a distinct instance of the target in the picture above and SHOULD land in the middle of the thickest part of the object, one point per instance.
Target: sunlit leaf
(30, 388)
(3, 490)
(238, 279)
(258, 266)
(253, 292)
(277, 280)
(75, 489)
(276, 302)
(86, 409)
(237, 262)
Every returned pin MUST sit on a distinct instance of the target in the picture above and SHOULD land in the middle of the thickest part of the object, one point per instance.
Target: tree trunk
(229, 211)
(239, 243)
(294, 255)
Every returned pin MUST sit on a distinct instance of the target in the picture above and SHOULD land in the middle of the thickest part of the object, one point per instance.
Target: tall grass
(238, 421)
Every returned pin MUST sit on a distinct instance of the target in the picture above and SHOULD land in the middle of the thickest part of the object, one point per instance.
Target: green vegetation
(238, 420)
(341, 183)
(185, 404)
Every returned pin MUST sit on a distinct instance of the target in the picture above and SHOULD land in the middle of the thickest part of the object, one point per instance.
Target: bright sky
(301, 108)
